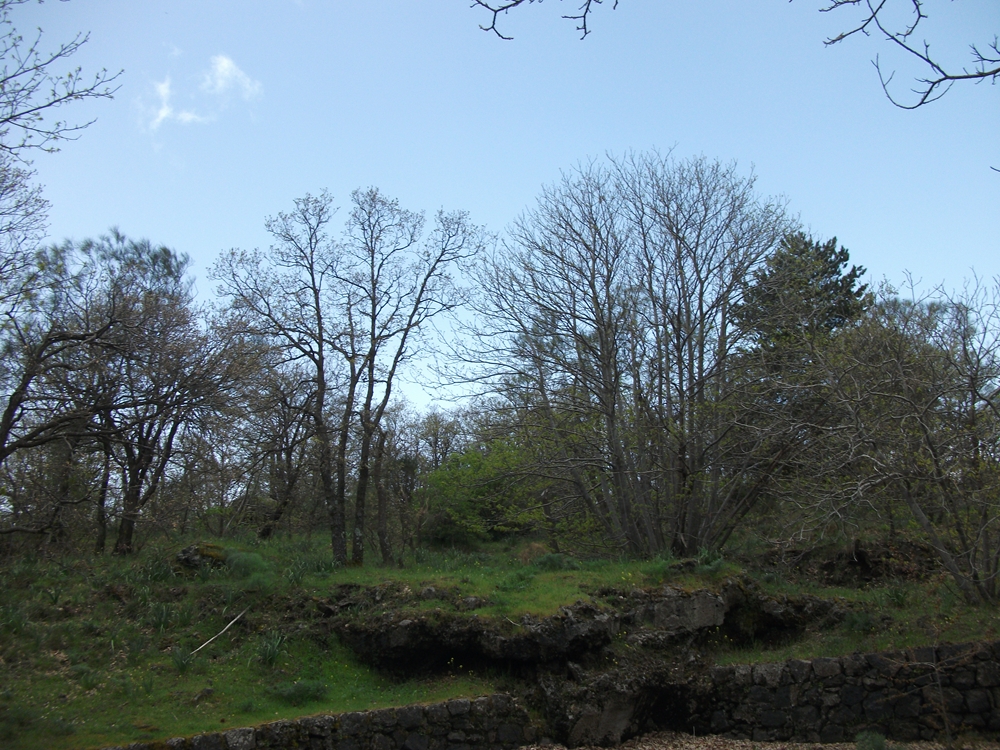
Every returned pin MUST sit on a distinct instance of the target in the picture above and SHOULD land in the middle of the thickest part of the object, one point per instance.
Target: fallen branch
(220, 632)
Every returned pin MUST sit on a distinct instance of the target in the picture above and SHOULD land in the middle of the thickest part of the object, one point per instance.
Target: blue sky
(230, 109)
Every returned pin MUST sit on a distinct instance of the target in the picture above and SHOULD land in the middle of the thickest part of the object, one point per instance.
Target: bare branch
(581, 17)
(984, 65)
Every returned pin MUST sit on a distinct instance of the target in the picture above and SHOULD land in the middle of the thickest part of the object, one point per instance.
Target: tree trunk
(382, 523)
(102, 497)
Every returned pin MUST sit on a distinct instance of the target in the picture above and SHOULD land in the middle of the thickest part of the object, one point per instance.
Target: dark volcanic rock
(597, 671)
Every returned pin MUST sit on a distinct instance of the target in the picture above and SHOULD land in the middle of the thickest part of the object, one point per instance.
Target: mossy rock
(201, 555)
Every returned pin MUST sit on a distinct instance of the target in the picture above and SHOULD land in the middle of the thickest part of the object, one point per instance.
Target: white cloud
(222, 78)
(225, 75)
(165, 110)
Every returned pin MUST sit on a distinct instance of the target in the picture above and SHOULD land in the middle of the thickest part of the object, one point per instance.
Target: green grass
(102, 651)
(893, 616)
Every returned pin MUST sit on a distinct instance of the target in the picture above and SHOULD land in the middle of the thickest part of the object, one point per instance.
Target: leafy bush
(245, 564)
(555, 561)
(300, 692)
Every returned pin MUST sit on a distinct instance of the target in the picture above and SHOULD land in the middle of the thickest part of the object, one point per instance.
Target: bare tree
(921, 381)
(608, 316)
(351, 311)
(288, 296)
(401, 280)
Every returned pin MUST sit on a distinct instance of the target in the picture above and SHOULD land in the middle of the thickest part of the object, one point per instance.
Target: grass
(102, 651)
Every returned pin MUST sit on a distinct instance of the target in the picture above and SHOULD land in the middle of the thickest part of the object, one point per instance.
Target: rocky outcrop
(594, 669)
(379, 626)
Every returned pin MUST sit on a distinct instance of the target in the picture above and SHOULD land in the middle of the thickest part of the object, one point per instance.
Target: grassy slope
(98, 651)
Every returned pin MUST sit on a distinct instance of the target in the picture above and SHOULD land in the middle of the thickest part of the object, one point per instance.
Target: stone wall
(924, 693)
(487, 723)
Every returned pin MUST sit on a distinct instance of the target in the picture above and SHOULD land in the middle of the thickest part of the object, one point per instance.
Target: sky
(229, 110)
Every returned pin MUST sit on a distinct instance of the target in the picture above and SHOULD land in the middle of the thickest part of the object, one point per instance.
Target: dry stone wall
(924, 693)
(494, 722)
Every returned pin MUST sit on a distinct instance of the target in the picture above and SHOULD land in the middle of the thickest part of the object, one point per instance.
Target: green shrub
(245, 564)
(555, 561)
(299, 693)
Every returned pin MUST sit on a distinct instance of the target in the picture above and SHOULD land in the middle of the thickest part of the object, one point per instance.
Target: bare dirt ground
(677, 741)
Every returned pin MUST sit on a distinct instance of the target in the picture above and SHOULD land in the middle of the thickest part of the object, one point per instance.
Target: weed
(147, 684)
(709, 561)
(897, 596)
(296, 573)
(869, 741)
(300, 692)
(154, 570)
(86, 676)
(184, 616)
(182, 659)
(13, 619)
(860, 622)
(269, 648)
(159, 616)
(659, 570)
(59, 726)
(519, 580)
(324, 565)
(134, 646)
